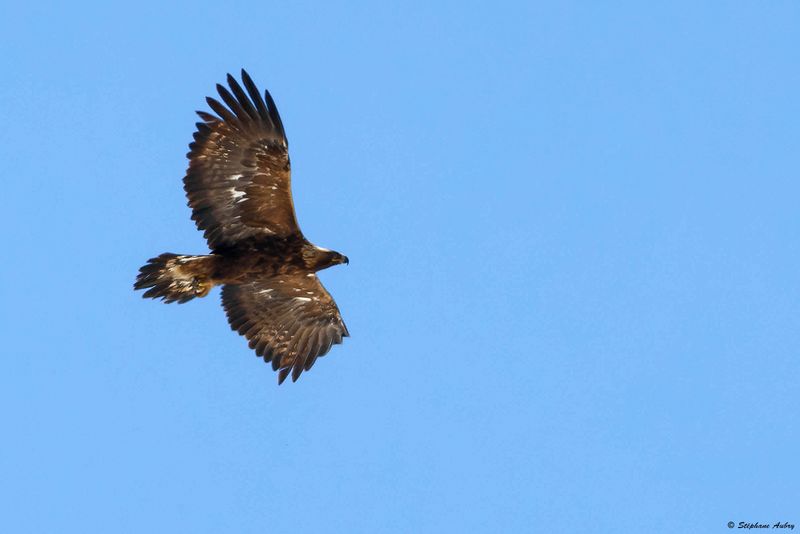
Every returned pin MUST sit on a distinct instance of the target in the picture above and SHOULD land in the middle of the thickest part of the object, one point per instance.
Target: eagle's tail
(176, 278)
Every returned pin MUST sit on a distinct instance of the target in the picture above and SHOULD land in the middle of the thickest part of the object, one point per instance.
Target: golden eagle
(239, 188)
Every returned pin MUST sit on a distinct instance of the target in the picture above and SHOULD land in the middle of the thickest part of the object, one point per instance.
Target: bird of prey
(239, 189)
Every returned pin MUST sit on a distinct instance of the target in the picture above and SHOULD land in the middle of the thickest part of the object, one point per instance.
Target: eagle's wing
(290, 320)
(239, 180)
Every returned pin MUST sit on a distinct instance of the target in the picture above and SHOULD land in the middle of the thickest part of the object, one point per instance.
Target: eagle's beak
(346, 260)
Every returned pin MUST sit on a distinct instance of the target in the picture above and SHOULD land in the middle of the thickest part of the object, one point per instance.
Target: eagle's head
(317, 258)
(338, 259)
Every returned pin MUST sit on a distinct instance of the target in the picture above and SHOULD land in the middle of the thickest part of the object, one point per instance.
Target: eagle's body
(239, 189)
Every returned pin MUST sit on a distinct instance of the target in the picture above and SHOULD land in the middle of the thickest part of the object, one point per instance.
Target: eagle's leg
(202, 286)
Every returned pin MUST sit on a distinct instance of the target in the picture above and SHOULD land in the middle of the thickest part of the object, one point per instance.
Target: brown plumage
(239, 188)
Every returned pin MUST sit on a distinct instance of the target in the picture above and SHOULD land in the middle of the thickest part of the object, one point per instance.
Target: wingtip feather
(283, 374)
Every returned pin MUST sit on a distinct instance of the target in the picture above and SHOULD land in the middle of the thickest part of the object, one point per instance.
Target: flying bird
(239, 188)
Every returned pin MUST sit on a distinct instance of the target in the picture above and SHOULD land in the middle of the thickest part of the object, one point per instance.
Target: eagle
(239, 188)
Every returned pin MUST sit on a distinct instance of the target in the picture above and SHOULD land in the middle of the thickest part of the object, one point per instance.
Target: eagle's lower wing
(290, 320)
(239, 180)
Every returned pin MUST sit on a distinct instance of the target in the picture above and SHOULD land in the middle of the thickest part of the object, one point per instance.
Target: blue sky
(573, 281)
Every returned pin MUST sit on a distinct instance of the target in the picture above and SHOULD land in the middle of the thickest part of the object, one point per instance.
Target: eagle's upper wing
(289, 319)
(239, 180)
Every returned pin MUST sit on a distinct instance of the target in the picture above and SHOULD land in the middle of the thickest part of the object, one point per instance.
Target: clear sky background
(573, 281)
